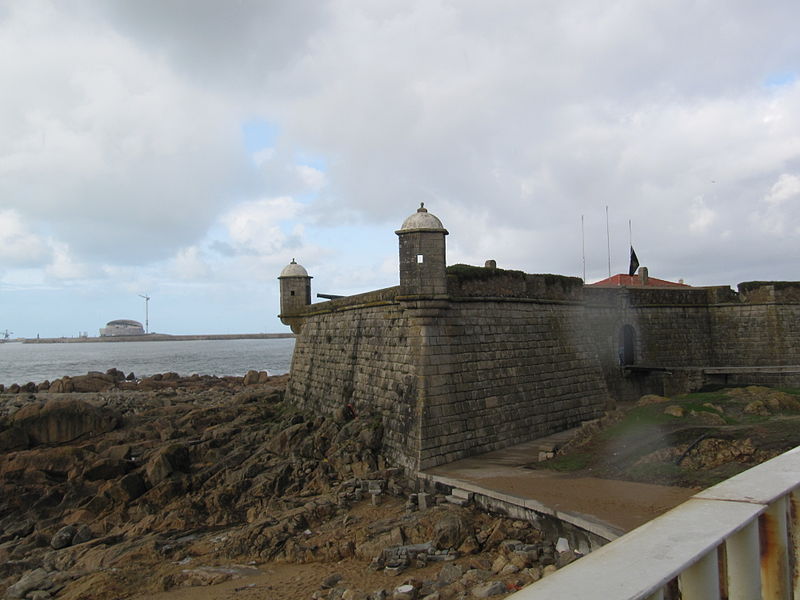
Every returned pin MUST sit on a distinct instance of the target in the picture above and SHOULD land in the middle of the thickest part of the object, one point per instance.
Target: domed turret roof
(294, 270)
(422, 219)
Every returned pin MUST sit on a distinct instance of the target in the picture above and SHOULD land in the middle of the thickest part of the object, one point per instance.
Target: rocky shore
(113, 487)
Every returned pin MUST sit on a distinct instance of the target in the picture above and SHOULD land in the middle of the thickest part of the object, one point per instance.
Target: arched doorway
(627, 353)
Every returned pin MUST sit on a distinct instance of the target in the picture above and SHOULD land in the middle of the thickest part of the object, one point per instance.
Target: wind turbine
(146, 312)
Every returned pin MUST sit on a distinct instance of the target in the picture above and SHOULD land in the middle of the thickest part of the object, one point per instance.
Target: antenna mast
(608, 243)
(583, 250)
(146, 312)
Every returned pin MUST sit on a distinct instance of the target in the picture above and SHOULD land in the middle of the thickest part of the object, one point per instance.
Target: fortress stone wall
(466, 360)
(502, 372)
(449, 378)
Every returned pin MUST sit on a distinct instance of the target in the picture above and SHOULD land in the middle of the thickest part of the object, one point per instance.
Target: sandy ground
(295, 582)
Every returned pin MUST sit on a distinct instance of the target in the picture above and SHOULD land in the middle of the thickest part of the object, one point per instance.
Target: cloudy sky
(189, 149)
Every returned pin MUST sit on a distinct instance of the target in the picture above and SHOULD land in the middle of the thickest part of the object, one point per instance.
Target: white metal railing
(737, 540)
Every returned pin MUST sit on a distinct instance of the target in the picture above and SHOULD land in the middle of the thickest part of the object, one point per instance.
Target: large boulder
(63, 537)
(450, 531)
(173, 458)
(34, 580)
(107, 468)
(63, 420)
(93, 382)
(13, 438)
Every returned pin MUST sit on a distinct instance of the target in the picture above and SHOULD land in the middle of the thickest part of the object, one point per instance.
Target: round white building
(122, 327)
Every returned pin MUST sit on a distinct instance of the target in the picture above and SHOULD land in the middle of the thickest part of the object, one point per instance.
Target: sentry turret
(295, 285)
(422, 255)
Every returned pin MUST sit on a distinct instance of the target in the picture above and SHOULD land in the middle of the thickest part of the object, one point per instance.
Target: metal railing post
(700, 581)
(744, 572)
(774, 542)
(794, 539)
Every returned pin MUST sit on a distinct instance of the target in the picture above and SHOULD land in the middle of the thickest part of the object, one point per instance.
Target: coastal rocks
(63, 537)
(13, 438)
(488, 589)
(107, 468)
(173, 458)
(255, 377)
(39, 579)
(217, 473)
(62, 420)
(451, 531)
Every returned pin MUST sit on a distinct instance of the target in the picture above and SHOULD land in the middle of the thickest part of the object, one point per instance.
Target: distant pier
(158, 337)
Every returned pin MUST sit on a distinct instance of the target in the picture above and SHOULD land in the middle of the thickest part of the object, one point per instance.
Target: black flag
(634, 263)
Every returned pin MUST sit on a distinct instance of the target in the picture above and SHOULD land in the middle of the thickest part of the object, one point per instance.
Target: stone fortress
(462, 360)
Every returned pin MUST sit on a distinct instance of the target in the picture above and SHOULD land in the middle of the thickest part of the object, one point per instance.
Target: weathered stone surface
(33, 580)
(449, 574)
(106, 468)
(488, 589)
(13, 438)
(63, 537)
(451, 531)
(83, 534)
(166, 461)
(479, 356)
(331, 580)
(251, 378)
(129, 487)
(63, 420)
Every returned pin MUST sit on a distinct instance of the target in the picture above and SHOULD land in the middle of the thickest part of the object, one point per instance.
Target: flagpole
(630, 234)
(608, 243)
(583, 250)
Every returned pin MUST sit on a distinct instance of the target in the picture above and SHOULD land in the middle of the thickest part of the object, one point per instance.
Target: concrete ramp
(506, 480)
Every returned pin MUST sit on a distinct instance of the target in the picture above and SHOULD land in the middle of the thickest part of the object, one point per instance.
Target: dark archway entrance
(627, 354)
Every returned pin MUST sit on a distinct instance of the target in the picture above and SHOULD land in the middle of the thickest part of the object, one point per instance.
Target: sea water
(21, 363)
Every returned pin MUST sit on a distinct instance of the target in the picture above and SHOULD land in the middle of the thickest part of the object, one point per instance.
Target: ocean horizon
(25, 362)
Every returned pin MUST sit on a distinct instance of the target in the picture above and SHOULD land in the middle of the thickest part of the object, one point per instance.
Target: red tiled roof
(623, 280)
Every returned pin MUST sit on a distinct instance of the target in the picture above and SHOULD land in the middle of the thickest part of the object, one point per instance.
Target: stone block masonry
(499, 373)
(449, 378)
(362, 355)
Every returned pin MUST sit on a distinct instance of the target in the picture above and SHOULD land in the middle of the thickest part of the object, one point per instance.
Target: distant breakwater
(158, 337)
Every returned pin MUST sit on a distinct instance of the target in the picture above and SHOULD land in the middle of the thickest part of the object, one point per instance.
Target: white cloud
(255, 226)
(779, 211)
(20, 247)
(700, 216)
(64, 266)
(314, 179)
(103, 142)
(786, 188)
(190, 264)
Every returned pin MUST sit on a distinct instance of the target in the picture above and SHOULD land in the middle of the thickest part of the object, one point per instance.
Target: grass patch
(567, 463)
(715, 397)
(639, 417)
(469, 272)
